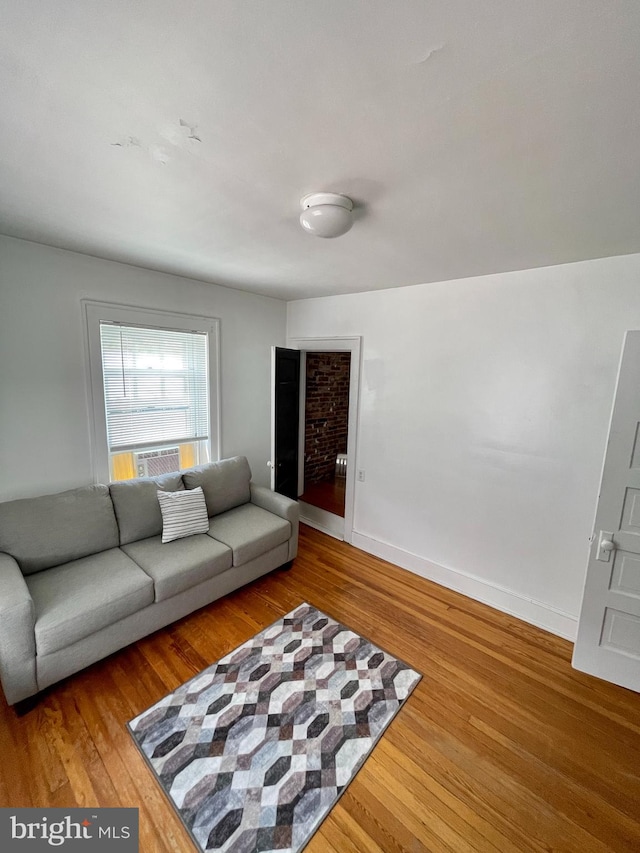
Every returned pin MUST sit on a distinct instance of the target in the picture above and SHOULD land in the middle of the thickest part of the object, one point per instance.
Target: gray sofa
(84, 572)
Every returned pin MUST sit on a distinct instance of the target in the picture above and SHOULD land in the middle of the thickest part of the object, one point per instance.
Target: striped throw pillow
(183, 514)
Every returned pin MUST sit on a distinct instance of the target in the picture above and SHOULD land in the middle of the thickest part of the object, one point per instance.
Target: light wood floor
(502, 746)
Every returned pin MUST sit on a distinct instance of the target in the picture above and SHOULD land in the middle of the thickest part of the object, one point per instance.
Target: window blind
(155, 386)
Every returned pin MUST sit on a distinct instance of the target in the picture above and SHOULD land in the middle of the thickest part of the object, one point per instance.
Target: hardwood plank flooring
(328, 495)
(501, 747)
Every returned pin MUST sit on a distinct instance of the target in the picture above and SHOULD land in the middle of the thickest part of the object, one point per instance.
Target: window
(154, 380)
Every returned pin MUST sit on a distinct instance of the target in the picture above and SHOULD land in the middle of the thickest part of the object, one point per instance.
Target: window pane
(155, 461)
(155, 385)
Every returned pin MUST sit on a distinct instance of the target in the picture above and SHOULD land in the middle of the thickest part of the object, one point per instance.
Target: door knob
(605, 546)
(269, 464)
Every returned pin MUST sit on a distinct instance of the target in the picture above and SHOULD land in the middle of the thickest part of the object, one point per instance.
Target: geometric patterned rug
(255, 750)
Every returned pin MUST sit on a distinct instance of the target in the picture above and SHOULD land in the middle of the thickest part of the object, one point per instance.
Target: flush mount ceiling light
(326, 214)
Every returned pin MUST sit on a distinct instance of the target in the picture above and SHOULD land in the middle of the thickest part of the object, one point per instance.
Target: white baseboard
(320, 519)
(535, 612)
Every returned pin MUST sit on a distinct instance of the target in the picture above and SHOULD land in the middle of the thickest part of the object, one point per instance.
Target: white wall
(484, 411)
(44, 428)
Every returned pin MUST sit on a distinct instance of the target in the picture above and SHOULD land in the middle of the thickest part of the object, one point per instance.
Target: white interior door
(608, 642)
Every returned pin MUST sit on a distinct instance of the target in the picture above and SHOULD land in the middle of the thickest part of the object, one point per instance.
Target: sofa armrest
(17, 633)
(282, 506)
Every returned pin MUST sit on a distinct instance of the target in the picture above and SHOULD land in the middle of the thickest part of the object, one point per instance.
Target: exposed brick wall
(326, 413)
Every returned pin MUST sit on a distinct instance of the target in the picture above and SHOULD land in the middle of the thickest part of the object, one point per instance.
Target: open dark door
(286, 391)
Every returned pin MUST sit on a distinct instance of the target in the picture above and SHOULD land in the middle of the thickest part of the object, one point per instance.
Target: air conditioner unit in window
(151, 463)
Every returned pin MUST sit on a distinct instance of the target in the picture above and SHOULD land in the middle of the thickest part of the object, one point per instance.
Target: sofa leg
(24, 706)
(287, 566)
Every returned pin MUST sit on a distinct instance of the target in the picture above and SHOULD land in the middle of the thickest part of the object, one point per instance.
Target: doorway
(339, 473)
(326, 430)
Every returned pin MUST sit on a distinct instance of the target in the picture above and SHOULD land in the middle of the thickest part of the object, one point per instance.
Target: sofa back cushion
(137, 507)
(225, 484)
(54, 529)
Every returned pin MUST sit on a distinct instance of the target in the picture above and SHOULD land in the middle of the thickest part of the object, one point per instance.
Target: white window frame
(97, 312)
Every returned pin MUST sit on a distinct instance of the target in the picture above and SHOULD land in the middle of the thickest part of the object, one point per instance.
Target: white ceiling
(475, 136)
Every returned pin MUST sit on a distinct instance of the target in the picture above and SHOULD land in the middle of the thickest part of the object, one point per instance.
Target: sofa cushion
(249, 531)
(75, 600)
(136, 505)
(55, 529)
(183, 514)
(181, 564)
(225, 484)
